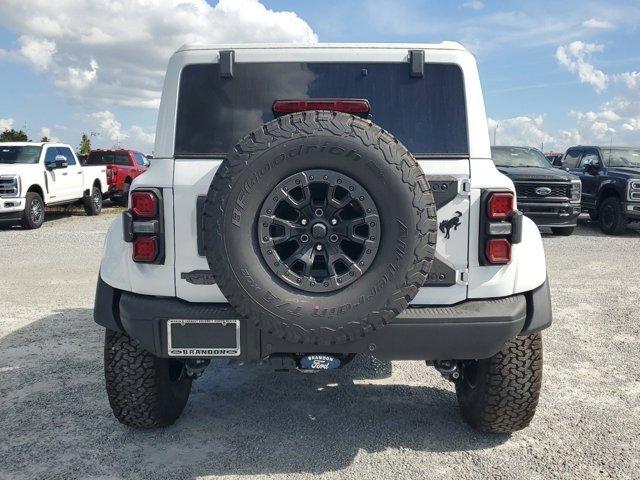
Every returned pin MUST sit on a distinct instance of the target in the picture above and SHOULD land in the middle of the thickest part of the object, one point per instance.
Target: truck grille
(527, 190)
(8, 187)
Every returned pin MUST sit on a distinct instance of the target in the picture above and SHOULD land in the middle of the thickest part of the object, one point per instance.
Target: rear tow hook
(448, 369)
(194, 368)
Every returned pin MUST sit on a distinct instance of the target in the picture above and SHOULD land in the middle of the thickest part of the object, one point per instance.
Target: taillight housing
(354, 106)
(500, 205)
(143, 226)
(500, 227)
(144, 204)
(498, 251)
(145, 249)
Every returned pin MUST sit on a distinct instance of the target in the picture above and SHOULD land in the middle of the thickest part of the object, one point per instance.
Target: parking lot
(371, 420)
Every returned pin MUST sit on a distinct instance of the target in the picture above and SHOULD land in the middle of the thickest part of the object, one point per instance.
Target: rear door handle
(65, 173)
(79, 173)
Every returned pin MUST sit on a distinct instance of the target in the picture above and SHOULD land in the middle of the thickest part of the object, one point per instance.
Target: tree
(13, 136)
(85, 145)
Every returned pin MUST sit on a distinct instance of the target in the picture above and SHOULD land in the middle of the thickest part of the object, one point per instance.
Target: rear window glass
(108, 158)
(426, 114)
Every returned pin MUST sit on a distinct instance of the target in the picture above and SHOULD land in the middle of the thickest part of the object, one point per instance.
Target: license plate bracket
(203, 338)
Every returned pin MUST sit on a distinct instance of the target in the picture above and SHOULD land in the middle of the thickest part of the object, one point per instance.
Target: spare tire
(320, 227)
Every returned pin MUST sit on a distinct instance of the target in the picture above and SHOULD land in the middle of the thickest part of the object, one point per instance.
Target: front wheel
(33, 215)
(144, 391)
(612, 219)
(93, 202)
(500, 394)
(562, 231)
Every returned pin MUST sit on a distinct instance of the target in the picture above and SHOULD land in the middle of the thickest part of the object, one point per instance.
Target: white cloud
(598, 24)
(474, 5)
(109, 126)
(78, 78)
(132, 40)
(6, 124)
(520, 131)
(46, 132)
(575, 57)
(144, 137)
(37, 52)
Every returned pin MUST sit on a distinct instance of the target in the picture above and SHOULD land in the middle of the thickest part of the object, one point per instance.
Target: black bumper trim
(471, 329)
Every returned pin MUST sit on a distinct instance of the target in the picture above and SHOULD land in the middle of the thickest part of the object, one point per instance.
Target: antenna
(495, 130)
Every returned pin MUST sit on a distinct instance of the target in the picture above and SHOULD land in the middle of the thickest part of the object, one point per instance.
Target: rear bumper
(471, 329)
(547, 214)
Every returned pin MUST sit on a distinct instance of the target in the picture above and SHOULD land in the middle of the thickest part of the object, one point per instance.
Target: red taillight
(500, 205)
(353, 106)
(499, 250)
(145, 249)
(144, 204)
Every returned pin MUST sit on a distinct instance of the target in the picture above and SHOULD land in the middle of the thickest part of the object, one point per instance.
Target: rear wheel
(562, 231)
(500, 394)
(612, 219)
(93, 202)
(33, 215)
(144, 391)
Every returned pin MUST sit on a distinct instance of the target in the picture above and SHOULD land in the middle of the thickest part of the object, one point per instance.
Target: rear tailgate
(427, 113)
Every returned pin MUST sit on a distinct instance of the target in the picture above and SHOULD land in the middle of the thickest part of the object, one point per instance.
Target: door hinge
(462, 277)
(464, 187)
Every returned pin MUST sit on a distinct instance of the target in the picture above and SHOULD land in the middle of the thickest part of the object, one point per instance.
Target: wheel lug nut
(319, 247)
(304, 221)
(304, 238)
(333, 238)
(334, 221)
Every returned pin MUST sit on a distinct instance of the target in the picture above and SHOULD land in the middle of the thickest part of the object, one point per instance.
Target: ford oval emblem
(319, 362)
(543, 191)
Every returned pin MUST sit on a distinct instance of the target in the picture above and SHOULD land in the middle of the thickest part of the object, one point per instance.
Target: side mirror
(146, 163)
(61, 161)
(591, 168)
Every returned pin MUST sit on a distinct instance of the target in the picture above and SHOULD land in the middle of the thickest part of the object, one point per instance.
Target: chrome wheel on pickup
(33, 215)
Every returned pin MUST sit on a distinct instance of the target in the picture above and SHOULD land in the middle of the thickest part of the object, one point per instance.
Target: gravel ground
(373, 420)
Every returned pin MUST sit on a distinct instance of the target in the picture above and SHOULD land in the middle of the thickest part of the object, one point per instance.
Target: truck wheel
(320, 227)
(93, 202)
(500, 394)
(612, 219)
(563, 231)
(33, 215)
(144, 391)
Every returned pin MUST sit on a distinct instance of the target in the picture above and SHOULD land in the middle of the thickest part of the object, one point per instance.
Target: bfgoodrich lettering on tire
(320, 226)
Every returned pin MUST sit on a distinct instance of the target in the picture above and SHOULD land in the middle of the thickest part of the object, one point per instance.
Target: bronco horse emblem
(447, 225)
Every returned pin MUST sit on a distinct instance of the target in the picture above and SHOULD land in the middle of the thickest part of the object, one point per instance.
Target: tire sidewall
(28, 221)
(618, 221)
(268, 295)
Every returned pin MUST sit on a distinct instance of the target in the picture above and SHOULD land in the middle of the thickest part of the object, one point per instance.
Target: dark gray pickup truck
(610, 184)
(547, 195)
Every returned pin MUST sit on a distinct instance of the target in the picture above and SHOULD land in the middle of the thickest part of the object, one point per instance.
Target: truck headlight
(9, 186)
(576, 190)
(633, 190)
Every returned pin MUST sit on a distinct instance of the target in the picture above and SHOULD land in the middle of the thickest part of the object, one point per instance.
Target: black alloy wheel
(318, 230)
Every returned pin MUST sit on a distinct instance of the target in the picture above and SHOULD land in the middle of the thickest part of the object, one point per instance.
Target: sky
(554, 74)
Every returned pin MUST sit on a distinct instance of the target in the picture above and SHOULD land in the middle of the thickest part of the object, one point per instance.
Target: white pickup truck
(35, 175)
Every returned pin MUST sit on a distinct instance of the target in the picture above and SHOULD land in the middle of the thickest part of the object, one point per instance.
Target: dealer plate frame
(203, 352)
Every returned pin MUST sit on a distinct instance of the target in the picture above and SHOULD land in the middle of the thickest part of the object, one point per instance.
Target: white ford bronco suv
(310, 203)
(33, 175)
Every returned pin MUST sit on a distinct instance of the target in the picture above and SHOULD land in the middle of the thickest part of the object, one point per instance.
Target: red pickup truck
(122, 167)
